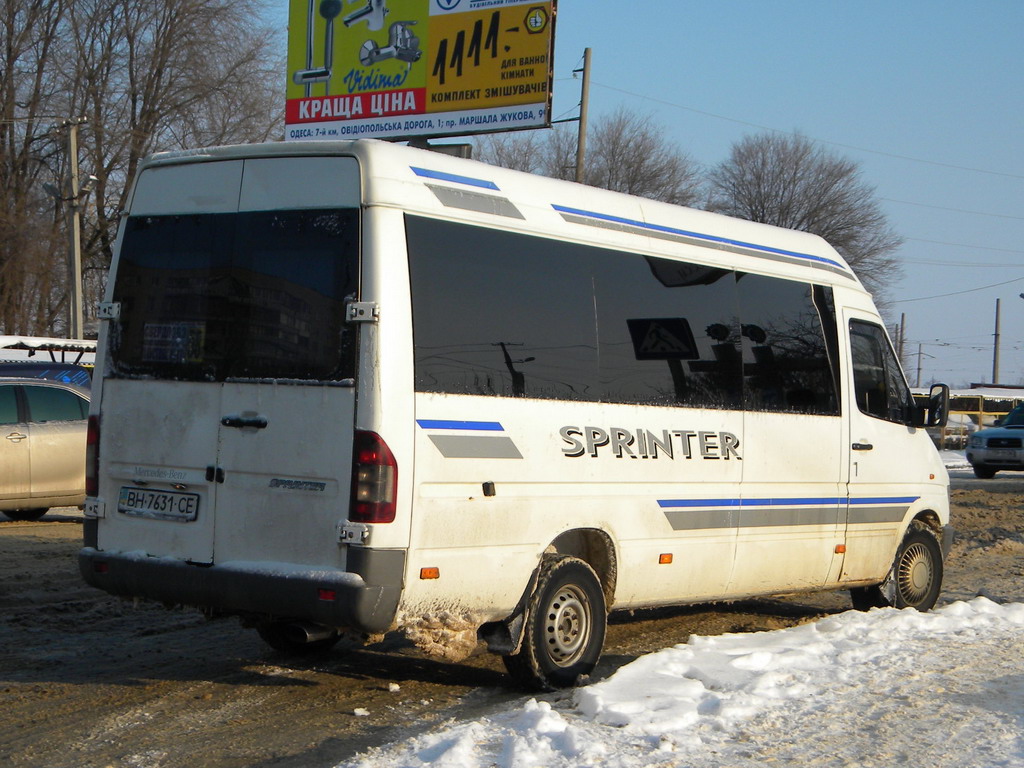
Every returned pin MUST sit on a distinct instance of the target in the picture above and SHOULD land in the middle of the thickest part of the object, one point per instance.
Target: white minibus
(345, 388)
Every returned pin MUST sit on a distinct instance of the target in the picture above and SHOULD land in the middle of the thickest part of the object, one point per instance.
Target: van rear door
(229, 401)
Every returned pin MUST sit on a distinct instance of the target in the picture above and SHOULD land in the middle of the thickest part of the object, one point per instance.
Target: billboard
(417, 68)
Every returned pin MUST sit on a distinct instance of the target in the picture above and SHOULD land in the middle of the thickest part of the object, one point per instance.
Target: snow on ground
(872, 690)
(884, 688)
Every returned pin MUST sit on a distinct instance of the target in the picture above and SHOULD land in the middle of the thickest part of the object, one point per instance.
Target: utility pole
(74, 330)
(581, 142)
(903, 335)
(995, 349)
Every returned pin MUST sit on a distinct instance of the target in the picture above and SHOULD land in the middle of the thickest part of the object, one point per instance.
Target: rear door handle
(16, 436)
(863, 447)
(241, 422)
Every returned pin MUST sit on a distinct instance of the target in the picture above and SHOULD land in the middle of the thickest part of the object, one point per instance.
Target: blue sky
(927, 96)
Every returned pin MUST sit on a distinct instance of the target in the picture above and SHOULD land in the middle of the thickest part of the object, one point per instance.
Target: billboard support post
(581, 142)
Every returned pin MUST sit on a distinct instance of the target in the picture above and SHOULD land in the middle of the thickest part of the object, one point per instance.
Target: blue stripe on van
(873, 500)
(442, 176)
(478, 426)
(885, 500)
(697, 235)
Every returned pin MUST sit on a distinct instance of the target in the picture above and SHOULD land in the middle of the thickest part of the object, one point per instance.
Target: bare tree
(29, 219)
(147, 76)
(626, 152)
(523, 151)
(629, 153)
(789, 181)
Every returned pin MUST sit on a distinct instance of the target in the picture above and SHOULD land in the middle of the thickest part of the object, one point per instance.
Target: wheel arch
(591, 545)
(594, 547)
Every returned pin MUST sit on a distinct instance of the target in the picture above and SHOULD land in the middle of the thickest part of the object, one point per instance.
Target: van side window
(505, 314)
(667, 332)
(879, 386)
(498, 313)
(787, 363)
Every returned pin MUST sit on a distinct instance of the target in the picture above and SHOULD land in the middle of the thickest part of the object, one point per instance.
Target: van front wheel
(565, 627)
(915, 578)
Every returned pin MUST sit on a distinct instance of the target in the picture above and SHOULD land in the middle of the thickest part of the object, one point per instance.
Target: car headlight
(977, 442)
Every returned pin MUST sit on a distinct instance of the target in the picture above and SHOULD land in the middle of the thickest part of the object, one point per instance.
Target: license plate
(161, 505)
(1005, 453)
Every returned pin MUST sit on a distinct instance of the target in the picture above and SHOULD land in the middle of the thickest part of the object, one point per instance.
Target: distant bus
(354, 387)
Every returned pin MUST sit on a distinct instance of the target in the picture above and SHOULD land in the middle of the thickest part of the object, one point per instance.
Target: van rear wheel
(565, 627)
(915, 578)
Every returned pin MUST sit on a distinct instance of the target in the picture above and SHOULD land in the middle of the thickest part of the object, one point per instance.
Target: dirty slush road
(91, 680)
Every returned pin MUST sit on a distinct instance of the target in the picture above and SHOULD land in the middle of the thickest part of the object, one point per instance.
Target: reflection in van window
(507, 314)
(787, 364)
(209, 297)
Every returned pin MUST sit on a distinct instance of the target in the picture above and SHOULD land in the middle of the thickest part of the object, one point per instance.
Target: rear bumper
(364, 599)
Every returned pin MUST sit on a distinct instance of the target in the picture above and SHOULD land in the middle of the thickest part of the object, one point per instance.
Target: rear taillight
(374, 480)
(92, 457)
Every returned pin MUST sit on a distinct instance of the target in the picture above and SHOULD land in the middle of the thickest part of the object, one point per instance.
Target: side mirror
(938, 406)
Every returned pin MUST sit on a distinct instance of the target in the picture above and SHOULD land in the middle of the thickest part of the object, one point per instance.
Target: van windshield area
(254, 295)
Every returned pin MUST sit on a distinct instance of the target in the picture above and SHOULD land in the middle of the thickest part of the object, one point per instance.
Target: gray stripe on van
(676, 238)
(877, 514)
(474, 201)
(690, 520)
(779, 516)
(698, 519)
(475, 447)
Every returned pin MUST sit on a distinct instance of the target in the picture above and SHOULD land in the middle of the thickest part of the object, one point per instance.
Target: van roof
(418, 180)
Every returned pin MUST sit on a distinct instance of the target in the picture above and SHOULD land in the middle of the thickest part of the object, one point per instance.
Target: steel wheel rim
(916, 574)
(567, 625)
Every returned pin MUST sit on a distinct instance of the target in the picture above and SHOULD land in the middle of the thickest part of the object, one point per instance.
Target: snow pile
(868, 689)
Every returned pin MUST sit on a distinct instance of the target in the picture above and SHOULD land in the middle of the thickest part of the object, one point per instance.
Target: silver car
(998, 447)
(42, 446)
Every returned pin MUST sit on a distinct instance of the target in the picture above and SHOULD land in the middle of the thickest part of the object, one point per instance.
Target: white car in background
(42, 446)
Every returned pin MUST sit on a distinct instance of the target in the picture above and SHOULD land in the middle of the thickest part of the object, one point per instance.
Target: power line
(965, 245)
(955, 210)
(820, 141)
(971, 264)
(958, 293)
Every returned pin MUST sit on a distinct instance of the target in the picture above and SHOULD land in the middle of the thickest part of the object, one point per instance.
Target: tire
(287, 637)
(26, 514)
(915, 578)
(565, 627)
(983, 472)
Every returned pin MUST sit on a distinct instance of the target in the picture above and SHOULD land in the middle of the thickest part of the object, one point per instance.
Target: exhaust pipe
(303, 632)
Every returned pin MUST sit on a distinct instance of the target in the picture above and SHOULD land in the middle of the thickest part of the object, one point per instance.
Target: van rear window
(255, 295)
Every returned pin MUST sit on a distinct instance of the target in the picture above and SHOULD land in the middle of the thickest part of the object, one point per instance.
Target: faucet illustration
(402, 45)
(329, 10)
(372, 13)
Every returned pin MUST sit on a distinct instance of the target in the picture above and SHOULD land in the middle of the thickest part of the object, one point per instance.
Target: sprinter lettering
(648, 444)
